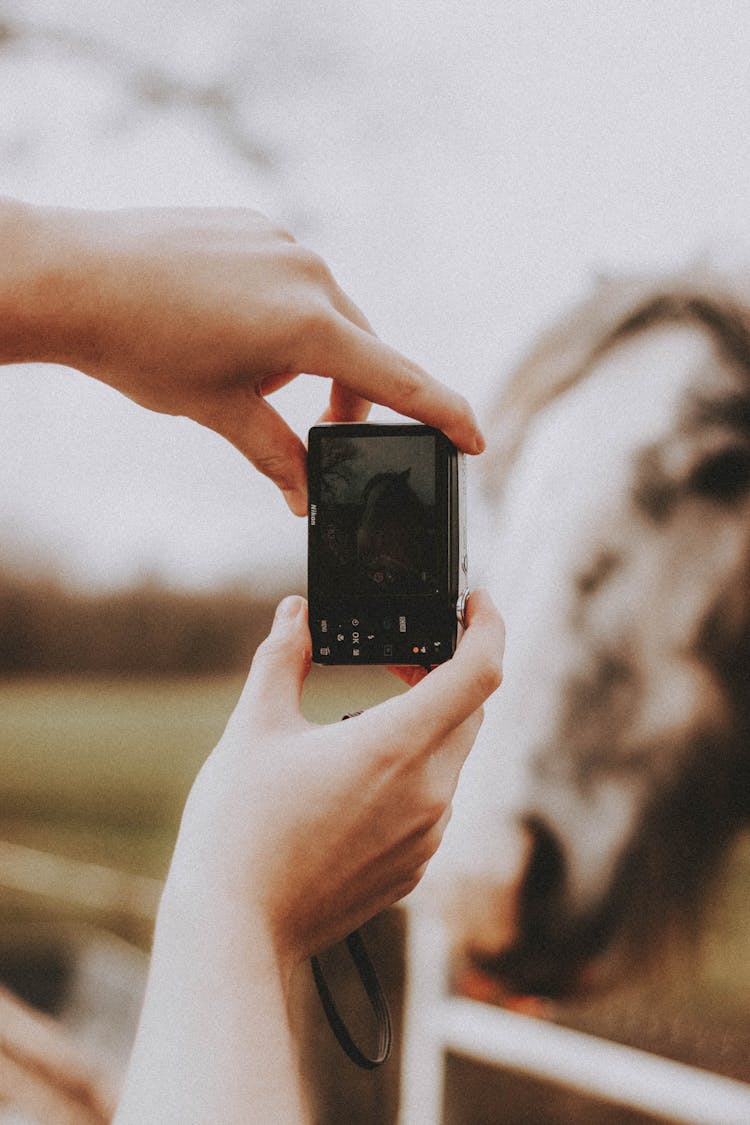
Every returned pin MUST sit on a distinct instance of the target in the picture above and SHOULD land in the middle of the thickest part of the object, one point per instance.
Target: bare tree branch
(149, 85)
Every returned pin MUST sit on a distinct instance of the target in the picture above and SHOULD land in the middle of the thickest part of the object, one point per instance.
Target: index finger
(363, 364)
(455, 690)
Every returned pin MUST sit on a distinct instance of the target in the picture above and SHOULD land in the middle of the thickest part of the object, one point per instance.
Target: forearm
(37, 283)
(214, 1042)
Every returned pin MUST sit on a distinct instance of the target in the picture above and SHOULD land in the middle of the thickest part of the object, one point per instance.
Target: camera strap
(378, 1002)
(373, 989)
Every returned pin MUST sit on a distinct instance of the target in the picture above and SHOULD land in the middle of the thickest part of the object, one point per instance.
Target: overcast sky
(465, 168)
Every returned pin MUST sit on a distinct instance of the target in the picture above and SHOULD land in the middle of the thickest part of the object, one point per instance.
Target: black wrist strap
(375, 995)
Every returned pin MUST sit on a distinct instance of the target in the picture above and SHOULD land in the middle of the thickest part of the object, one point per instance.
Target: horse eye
(724, 476)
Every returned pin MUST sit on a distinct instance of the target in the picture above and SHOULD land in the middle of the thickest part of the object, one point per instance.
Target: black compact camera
(387, 564)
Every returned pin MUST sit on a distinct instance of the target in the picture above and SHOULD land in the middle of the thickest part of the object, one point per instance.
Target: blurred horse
(393, 534)
(620, 553)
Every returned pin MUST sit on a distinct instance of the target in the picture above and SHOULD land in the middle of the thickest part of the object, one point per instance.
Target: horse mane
(617, 309)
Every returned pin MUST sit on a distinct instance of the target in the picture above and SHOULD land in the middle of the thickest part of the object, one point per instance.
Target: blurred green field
(99, 769)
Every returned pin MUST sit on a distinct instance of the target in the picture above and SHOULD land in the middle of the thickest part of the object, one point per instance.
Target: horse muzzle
(554, 953)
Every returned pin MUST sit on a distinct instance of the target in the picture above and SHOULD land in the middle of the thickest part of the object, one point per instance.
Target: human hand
(293, 835)
(318, 828)
(204, 313)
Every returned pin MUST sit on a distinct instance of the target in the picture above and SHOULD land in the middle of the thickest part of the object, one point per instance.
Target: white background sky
(466, 169)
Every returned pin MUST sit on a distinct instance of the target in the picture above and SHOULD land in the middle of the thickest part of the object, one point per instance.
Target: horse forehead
(569, 496)
(575, 468)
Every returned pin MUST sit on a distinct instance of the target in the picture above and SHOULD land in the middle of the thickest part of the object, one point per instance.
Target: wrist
(42, 283)
(18, 253)
(219, 871)
(216, 1017)
(211, 919)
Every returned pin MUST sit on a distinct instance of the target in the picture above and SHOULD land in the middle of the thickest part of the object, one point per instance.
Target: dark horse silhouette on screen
(393, 537)
(619, 491)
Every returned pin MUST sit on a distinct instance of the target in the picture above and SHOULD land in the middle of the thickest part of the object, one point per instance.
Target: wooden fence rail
(436, 1023)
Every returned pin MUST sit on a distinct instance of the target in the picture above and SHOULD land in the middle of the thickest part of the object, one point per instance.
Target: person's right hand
(204, 313)
(314, 829)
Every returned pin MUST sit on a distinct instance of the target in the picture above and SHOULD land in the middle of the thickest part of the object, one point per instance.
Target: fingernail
(479, 443)
(288, 609)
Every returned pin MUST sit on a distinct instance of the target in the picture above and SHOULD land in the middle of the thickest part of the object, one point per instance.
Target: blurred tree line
(47, 628)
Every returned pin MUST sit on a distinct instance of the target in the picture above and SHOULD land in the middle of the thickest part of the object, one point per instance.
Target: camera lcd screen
(376, 515)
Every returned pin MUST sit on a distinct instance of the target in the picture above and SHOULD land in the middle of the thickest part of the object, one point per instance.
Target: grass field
(99, 769)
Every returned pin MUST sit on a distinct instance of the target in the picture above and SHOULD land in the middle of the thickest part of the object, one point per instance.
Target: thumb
(280, 665)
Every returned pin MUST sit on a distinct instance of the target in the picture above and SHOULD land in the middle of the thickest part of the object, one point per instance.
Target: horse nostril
(553, 945)
(545, 874)
(539, 962)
